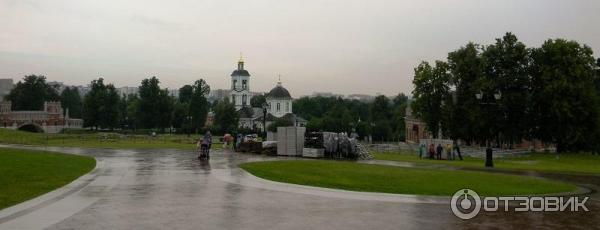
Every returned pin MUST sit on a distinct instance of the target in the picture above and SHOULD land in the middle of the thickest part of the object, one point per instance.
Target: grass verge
(543, 162)
(101, 140)
(25, 174)
(389, 179)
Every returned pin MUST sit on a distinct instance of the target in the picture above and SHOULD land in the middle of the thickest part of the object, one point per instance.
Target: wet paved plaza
(170, 189)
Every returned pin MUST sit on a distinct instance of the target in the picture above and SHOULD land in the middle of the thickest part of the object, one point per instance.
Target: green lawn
(544, 162)
(101, 140)
(25, 174)
(389, 179)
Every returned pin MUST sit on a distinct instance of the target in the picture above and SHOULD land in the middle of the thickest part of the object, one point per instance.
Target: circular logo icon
(465, 204)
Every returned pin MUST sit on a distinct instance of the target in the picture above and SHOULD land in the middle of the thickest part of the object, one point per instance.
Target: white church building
(240, 86)
(278, 101)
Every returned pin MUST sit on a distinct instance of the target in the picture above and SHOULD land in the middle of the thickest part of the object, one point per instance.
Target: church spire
(279, 80)
(241, 62)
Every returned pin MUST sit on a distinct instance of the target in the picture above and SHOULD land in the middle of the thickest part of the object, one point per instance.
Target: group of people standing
(434, 152)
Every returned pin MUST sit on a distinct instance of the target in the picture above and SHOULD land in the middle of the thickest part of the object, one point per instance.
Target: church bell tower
(240, 86)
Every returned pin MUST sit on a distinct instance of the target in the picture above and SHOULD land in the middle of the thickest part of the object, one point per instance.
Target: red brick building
(50, 120)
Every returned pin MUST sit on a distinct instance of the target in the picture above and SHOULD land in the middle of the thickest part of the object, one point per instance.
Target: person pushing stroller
(204, 146)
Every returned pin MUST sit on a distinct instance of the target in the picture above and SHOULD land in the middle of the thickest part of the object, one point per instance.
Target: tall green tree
(381, 114)
(431, 87)
(101, 106)
(315, 124)
(400, 103)
(180, 114)
(258, 100)
(505, 66)
(400, 99)
(309, 107)
(71, 100)
(185, 93)
(93, 104)
(199, 104)
(564, 101)
(164, 105)
(598, 75)
(338, 119)
(380, 109)
(110, 108)
(31, 93)
(131, 120)
(122, 107)
(226, 116)
(465, 112)
(148, 110)
(154, 106)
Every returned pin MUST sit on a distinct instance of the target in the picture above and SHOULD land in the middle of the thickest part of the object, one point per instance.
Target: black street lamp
(264, 107)
(189, 128)
(480, 95)
(489, 160)
(126, 124)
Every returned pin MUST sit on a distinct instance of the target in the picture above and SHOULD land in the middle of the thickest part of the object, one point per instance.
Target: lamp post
(126, 124)
(189, 128)
(354, 133)
(264, 107)
(489, 160)
(371, 135)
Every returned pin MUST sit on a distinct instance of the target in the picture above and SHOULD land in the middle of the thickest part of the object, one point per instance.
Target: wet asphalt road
(170, 189)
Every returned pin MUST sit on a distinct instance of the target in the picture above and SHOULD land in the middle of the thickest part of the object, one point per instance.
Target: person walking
(449, 152)
(207, 139)
(421, 150)
(238, 141)
(439, 151)
(457, 149)
(431, 151)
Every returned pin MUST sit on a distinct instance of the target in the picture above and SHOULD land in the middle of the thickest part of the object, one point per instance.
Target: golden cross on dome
(241, 57)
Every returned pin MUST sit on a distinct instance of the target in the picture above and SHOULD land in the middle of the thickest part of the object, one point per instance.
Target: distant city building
(83, 90)
(361, 97)
(218, 94)
(58, 86)
(6, 85)
(127, 90)
(325, 94)
(174, 93)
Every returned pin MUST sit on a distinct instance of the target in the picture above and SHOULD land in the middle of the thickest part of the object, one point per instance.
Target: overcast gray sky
(340, 46)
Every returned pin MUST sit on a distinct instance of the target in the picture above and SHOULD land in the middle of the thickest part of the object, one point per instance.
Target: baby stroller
(203, 151)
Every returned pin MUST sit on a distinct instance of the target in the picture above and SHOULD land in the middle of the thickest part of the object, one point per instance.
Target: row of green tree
(506, 92)
(151, 108)
(382, 118)
(33, 91)
(154, 108)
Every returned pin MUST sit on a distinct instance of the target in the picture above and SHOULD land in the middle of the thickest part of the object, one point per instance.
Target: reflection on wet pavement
(171, 189)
